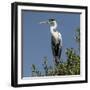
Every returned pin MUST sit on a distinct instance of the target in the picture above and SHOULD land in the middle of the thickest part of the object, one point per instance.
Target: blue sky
(36, 37)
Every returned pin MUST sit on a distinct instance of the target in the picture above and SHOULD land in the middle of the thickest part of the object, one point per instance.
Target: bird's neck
(53, 29)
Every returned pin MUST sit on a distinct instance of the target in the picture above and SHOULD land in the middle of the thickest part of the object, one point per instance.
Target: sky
(37, 37)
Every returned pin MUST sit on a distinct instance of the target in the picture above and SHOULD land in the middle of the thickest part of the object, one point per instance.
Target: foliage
(73, 62)
(77, 37)
(35, 71)
(70, 67)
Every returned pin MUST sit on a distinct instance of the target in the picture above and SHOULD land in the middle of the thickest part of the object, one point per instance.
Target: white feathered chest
(57, 36)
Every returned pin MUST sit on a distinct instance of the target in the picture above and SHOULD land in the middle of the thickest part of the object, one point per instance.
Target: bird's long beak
(43, 22)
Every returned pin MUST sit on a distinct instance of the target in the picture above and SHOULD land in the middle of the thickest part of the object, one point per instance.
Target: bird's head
(51, 22)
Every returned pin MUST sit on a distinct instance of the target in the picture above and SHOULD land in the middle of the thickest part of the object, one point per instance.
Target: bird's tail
(57, 60)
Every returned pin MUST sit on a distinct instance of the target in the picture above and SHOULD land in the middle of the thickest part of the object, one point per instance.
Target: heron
(56, 39)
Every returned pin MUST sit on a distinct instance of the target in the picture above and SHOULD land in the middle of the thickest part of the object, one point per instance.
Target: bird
(56, 39)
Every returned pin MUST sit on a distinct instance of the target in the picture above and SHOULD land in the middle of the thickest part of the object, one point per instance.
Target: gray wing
(60, 51)
(60, 45)
(56, 49)
(53, 45)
